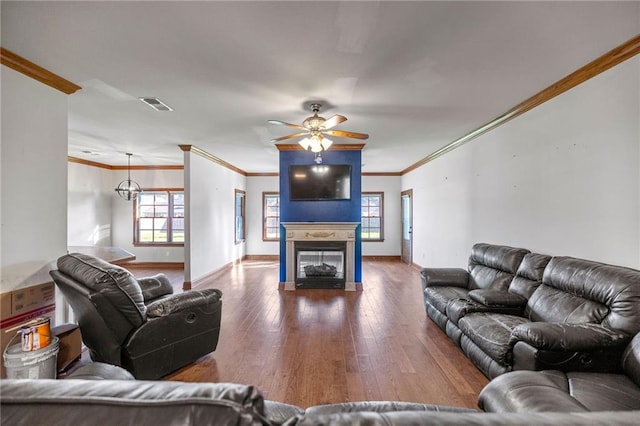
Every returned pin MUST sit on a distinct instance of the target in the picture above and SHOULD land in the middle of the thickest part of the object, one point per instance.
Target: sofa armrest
(454, 277)
(568, 337)
(155, 286)
(167, 305)
(497, 298)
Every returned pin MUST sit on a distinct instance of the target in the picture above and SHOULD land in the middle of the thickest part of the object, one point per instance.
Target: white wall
(561, 179)
(390, 186)
(256, 185)
(89, 206)
(34, 180)
(123, 214)
(209, 211)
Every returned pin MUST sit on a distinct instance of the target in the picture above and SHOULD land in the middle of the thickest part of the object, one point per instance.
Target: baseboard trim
(383, 258)
(211, 275)
(261, 257)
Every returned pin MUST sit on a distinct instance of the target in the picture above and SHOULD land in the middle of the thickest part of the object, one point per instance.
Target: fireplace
(320, 264)
(320, 255)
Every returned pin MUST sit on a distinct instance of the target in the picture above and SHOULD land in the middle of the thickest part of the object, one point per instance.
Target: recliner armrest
(568, 337)
(454, 277)
(155, 286)
(167, 305)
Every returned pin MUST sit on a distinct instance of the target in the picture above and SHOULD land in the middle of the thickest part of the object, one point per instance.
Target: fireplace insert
(320, 264)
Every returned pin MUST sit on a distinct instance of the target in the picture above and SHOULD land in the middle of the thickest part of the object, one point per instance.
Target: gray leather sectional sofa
(101, 394)
(517, 310)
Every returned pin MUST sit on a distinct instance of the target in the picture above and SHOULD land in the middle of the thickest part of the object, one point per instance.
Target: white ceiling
(413, 75)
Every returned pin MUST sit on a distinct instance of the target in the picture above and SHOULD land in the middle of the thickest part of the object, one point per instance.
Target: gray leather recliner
(138, 324)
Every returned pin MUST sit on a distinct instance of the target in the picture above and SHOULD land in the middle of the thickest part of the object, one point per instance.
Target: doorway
(407, 226)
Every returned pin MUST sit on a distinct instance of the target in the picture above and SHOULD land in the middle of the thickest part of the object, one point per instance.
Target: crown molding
(28, 68)
(204, 154)
(381, 173)
(110, 167)
(266, 174)
(609, 60)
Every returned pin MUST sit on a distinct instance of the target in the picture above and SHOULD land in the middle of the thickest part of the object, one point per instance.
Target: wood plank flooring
(310, 347)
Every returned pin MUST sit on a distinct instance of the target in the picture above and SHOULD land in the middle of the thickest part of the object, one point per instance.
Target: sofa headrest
(114, 282)
(529, 275)
(493, 266)
(504, 258)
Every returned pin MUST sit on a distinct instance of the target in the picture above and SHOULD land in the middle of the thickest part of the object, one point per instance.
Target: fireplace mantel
(320, 231)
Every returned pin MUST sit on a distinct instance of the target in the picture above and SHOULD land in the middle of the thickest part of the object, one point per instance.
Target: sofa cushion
(576, 290)
(604, 392)
(493, 266)
(548, 304)
(538, 391)
(439, 297)
(135, 402)
(380, 407)
(115, 283)
(491, 332)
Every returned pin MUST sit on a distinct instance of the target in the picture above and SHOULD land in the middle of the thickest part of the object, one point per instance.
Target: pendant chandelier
(128, 189)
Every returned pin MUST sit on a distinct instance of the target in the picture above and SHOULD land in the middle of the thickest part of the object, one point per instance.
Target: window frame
(136, 220)
(243, 215)
(379, 194)
(265, 195)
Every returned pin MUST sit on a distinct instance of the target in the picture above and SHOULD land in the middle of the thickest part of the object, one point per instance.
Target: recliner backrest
(581, 291)
(116, 284)
(493, 266)
(529, 275)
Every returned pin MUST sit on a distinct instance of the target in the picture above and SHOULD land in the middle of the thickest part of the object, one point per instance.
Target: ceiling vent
(156, 104)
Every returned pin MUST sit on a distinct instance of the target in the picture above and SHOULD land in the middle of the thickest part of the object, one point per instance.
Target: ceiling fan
(315, 128)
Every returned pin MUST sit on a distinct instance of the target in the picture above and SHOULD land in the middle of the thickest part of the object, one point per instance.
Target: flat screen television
(320, 182)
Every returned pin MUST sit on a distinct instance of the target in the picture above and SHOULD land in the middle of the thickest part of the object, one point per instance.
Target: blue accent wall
(325, 210)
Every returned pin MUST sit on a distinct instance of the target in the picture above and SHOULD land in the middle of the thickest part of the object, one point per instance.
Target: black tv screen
(320, 182)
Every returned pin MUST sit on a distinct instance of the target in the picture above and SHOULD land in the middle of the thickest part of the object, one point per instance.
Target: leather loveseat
(517, 310)
(138, 324)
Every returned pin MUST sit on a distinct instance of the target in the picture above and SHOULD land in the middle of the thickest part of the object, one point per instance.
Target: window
(372, 217)
(239, 215)
(270, 216)
(159, 217)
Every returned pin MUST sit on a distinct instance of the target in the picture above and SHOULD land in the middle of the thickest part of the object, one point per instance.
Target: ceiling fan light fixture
(314, 128)
(326, 143)
(304, 143)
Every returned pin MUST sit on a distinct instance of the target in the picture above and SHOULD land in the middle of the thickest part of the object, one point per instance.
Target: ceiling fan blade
(334, 121)
(344, 134)
(295, 135)
(282, 123)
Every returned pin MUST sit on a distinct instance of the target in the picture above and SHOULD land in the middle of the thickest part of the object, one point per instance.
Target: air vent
(156, 104)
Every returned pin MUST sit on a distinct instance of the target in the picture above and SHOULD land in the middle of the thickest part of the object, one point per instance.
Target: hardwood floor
(310, 347)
